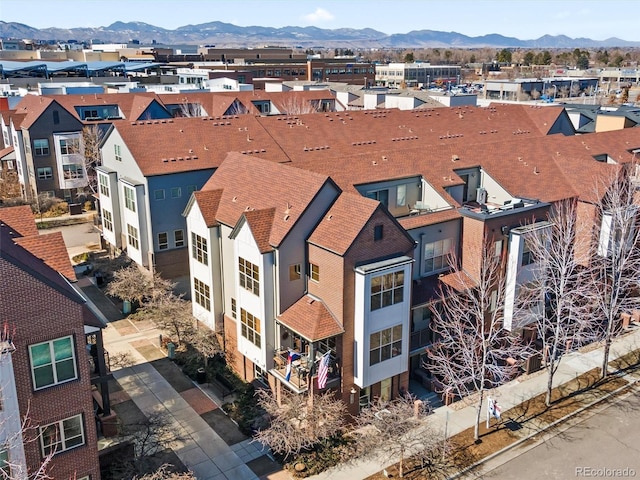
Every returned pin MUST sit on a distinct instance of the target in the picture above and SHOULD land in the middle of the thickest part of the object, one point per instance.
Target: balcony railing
(420, 339)
(299, 377)
(301, 371)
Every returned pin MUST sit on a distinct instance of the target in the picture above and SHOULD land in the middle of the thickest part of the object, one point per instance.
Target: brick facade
(24, 301)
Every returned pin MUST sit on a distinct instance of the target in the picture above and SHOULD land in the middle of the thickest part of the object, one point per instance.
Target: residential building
(51, 356)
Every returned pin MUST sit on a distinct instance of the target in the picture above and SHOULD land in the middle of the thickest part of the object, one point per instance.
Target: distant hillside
(226, 34)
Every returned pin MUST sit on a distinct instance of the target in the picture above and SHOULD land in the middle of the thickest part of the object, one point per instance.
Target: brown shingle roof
(251, 183)
(186, 144)
(459, 281)
(311, 318)
(260, 222)
(208, 201)
(19, 219)
(52, 250)
(343, 222)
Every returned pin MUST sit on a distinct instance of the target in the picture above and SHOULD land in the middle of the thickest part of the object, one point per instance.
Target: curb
(490, 457)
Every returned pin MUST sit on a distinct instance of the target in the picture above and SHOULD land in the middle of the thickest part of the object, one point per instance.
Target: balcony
(302, 371)
(420, 339)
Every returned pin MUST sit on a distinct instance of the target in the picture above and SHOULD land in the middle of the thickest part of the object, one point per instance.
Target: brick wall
(40, 313)
(172, 263)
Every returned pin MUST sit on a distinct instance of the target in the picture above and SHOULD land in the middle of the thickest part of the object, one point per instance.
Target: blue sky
(596, 19)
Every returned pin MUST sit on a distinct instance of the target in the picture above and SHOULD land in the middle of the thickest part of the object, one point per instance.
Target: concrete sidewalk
(508, 395)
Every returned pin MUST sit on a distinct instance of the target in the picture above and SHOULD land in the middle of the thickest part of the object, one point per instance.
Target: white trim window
(107, 220)
(117, 150)
(436, 255)
(53, 362)
(132, 237)
(130, 198)
(202, 294)
(41, 147)
(163, 241)
(199, 248)
(387, 289)
(178, 238)
(250, 327)
(45, 173)
(61, 436)
(249, 276)
(385, 344)
(103, 181)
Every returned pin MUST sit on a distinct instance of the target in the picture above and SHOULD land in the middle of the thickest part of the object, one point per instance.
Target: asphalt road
(606, 445)
(77, 238)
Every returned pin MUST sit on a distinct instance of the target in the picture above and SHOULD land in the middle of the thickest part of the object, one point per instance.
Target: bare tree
(535, 94)
(149, 437)
(617, 261)
(165, 473)
(296, 105)
(296, 423)
(92, 136)
(134, 285)
(471, 351)
(556, 297)
(170, 313)
(392, 430)
(205, 341)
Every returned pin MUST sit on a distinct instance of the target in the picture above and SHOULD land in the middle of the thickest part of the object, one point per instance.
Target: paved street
(608, 441)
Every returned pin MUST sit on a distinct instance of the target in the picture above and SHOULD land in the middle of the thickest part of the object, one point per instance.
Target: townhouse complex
(328, 235)
(54, 398)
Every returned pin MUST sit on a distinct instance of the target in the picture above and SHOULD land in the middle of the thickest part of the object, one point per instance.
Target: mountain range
(229, 35)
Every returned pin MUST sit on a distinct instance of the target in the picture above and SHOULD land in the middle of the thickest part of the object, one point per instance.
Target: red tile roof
(311, 318)
(251, 183)
(459, 281)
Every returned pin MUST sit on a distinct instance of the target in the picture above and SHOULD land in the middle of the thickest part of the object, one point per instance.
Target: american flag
(323, 370)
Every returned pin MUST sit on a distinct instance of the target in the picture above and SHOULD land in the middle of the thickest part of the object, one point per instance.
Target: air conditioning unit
(481, 195)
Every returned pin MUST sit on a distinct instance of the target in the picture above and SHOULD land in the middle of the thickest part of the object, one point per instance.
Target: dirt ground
(529, 417)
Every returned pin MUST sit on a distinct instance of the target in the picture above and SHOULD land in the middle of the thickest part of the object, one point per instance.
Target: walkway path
(509, 396)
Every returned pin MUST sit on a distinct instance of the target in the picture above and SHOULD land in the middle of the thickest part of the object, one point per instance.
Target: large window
(41, 146)
(250, 327)
(130, 198)
(104, 185)
(202, 296)
(107, 220)
(387, 289)
(132, 236)
(63, 435)
(45, 173)
(199, 248)
(436, 255)
(73, 171)
(53, 362)
(69, 146)
(401, 195)
(249, 276)
(385, 344)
